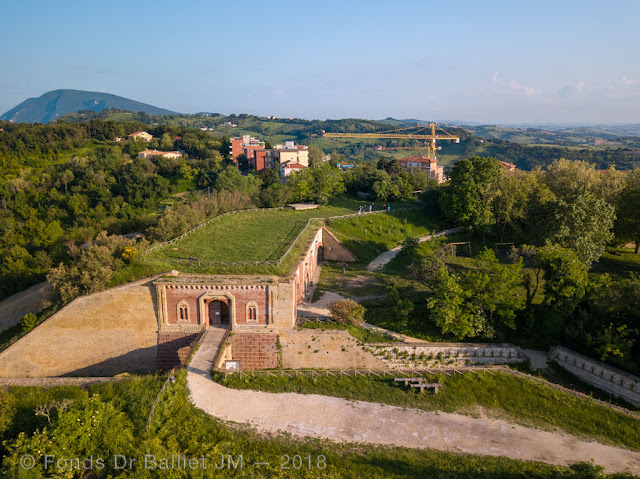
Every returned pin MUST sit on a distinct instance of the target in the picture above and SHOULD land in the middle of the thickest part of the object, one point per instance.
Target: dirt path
(312, 415)
(381, 260)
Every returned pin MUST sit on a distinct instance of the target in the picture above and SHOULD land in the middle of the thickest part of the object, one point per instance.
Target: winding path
(312, 415)
(383, 258)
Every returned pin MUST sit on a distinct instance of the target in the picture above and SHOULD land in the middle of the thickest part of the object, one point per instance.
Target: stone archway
(213, 302)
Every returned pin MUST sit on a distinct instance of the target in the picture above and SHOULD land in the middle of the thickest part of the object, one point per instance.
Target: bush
(7, 410)
(28, 322)
(346, 311)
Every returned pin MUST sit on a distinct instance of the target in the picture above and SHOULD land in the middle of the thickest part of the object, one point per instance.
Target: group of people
(363, 209)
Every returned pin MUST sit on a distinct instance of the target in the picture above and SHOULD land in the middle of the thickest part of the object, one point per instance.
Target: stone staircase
(210, 344)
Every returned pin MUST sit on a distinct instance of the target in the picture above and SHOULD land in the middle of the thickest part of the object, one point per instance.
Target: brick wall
(242, 294)
(173, 349)
(255, 350)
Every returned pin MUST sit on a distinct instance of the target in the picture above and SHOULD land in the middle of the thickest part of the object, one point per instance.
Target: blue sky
(486, 61)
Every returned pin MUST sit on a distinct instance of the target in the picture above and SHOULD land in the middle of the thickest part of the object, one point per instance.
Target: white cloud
(494, 78)
(569, 90)
(627, 81)
(525, 90)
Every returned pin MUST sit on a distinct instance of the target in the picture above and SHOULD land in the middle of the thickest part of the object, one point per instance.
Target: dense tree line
(64, 183)
(560, 222)
(530, 157)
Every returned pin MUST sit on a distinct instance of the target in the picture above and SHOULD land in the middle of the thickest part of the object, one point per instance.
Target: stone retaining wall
(102, 334)
(416, 355)
(599, 374)
(255, 350)
(32, 300)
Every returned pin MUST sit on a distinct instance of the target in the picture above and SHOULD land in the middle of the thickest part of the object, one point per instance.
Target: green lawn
(618, 263)
(513, 398)
(368, 236)
(251, 235)
(178, 428)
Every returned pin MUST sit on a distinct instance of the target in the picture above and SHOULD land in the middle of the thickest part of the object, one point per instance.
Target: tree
(315, 156)
(627, 226)
(516, 193)
(471, 192)
(166, 142)
(328, 182)
(401, 307)
(427, 270)
(565, 284)
(477, 301)
(448, 309)
(583, 223)
(419, 179)
(346, 311)
(492, 290)
(568, 178)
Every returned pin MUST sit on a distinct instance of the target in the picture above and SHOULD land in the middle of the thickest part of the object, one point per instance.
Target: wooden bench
(420, 382)
(410, 380)
(422, 385)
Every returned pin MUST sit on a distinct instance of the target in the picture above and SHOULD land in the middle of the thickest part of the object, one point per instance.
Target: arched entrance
(218, 313)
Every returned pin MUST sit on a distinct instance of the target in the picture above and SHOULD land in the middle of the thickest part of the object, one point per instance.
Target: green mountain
(55, 104)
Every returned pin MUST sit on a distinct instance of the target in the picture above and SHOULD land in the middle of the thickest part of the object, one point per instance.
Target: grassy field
(249, 236)
(253, 235)
(368, 236)
(500, 395)
(179, 428)
(619, 263)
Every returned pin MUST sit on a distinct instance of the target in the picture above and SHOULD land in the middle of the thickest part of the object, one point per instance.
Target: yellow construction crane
(400, 133)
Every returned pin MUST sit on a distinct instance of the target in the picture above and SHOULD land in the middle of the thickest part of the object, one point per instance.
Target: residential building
(141, 135)
(288, 167)
(245, 145)
(260, 157)
(164, 154)
(508, 166)
(290, 152)
(430, 165)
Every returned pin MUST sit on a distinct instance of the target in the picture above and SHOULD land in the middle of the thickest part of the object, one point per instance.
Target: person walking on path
(389, 207)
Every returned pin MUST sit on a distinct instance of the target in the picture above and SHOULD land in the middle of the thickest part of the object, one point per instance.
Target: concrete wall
(601, 375)
(32, 300)
(419, 355)
(102, 334)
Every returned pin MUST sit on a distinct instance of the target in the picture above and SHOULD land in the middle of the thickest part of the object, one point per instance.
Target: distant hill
(55, 104)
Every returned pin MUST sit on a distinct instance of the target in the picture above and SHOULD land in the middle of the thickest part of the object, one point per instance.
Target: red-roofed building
(288, 167)
(508, 166)
(141, 135)
(430, 165)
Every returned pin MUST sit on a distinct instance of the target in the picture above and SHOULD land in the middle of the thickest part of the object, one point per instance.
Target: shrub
(7, 410)
(28, 322)
(129, 254)
(346, 311)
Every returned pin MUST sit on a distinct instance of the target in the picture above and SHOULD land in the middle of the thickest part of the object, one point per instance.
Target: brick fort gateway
(150, 324)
